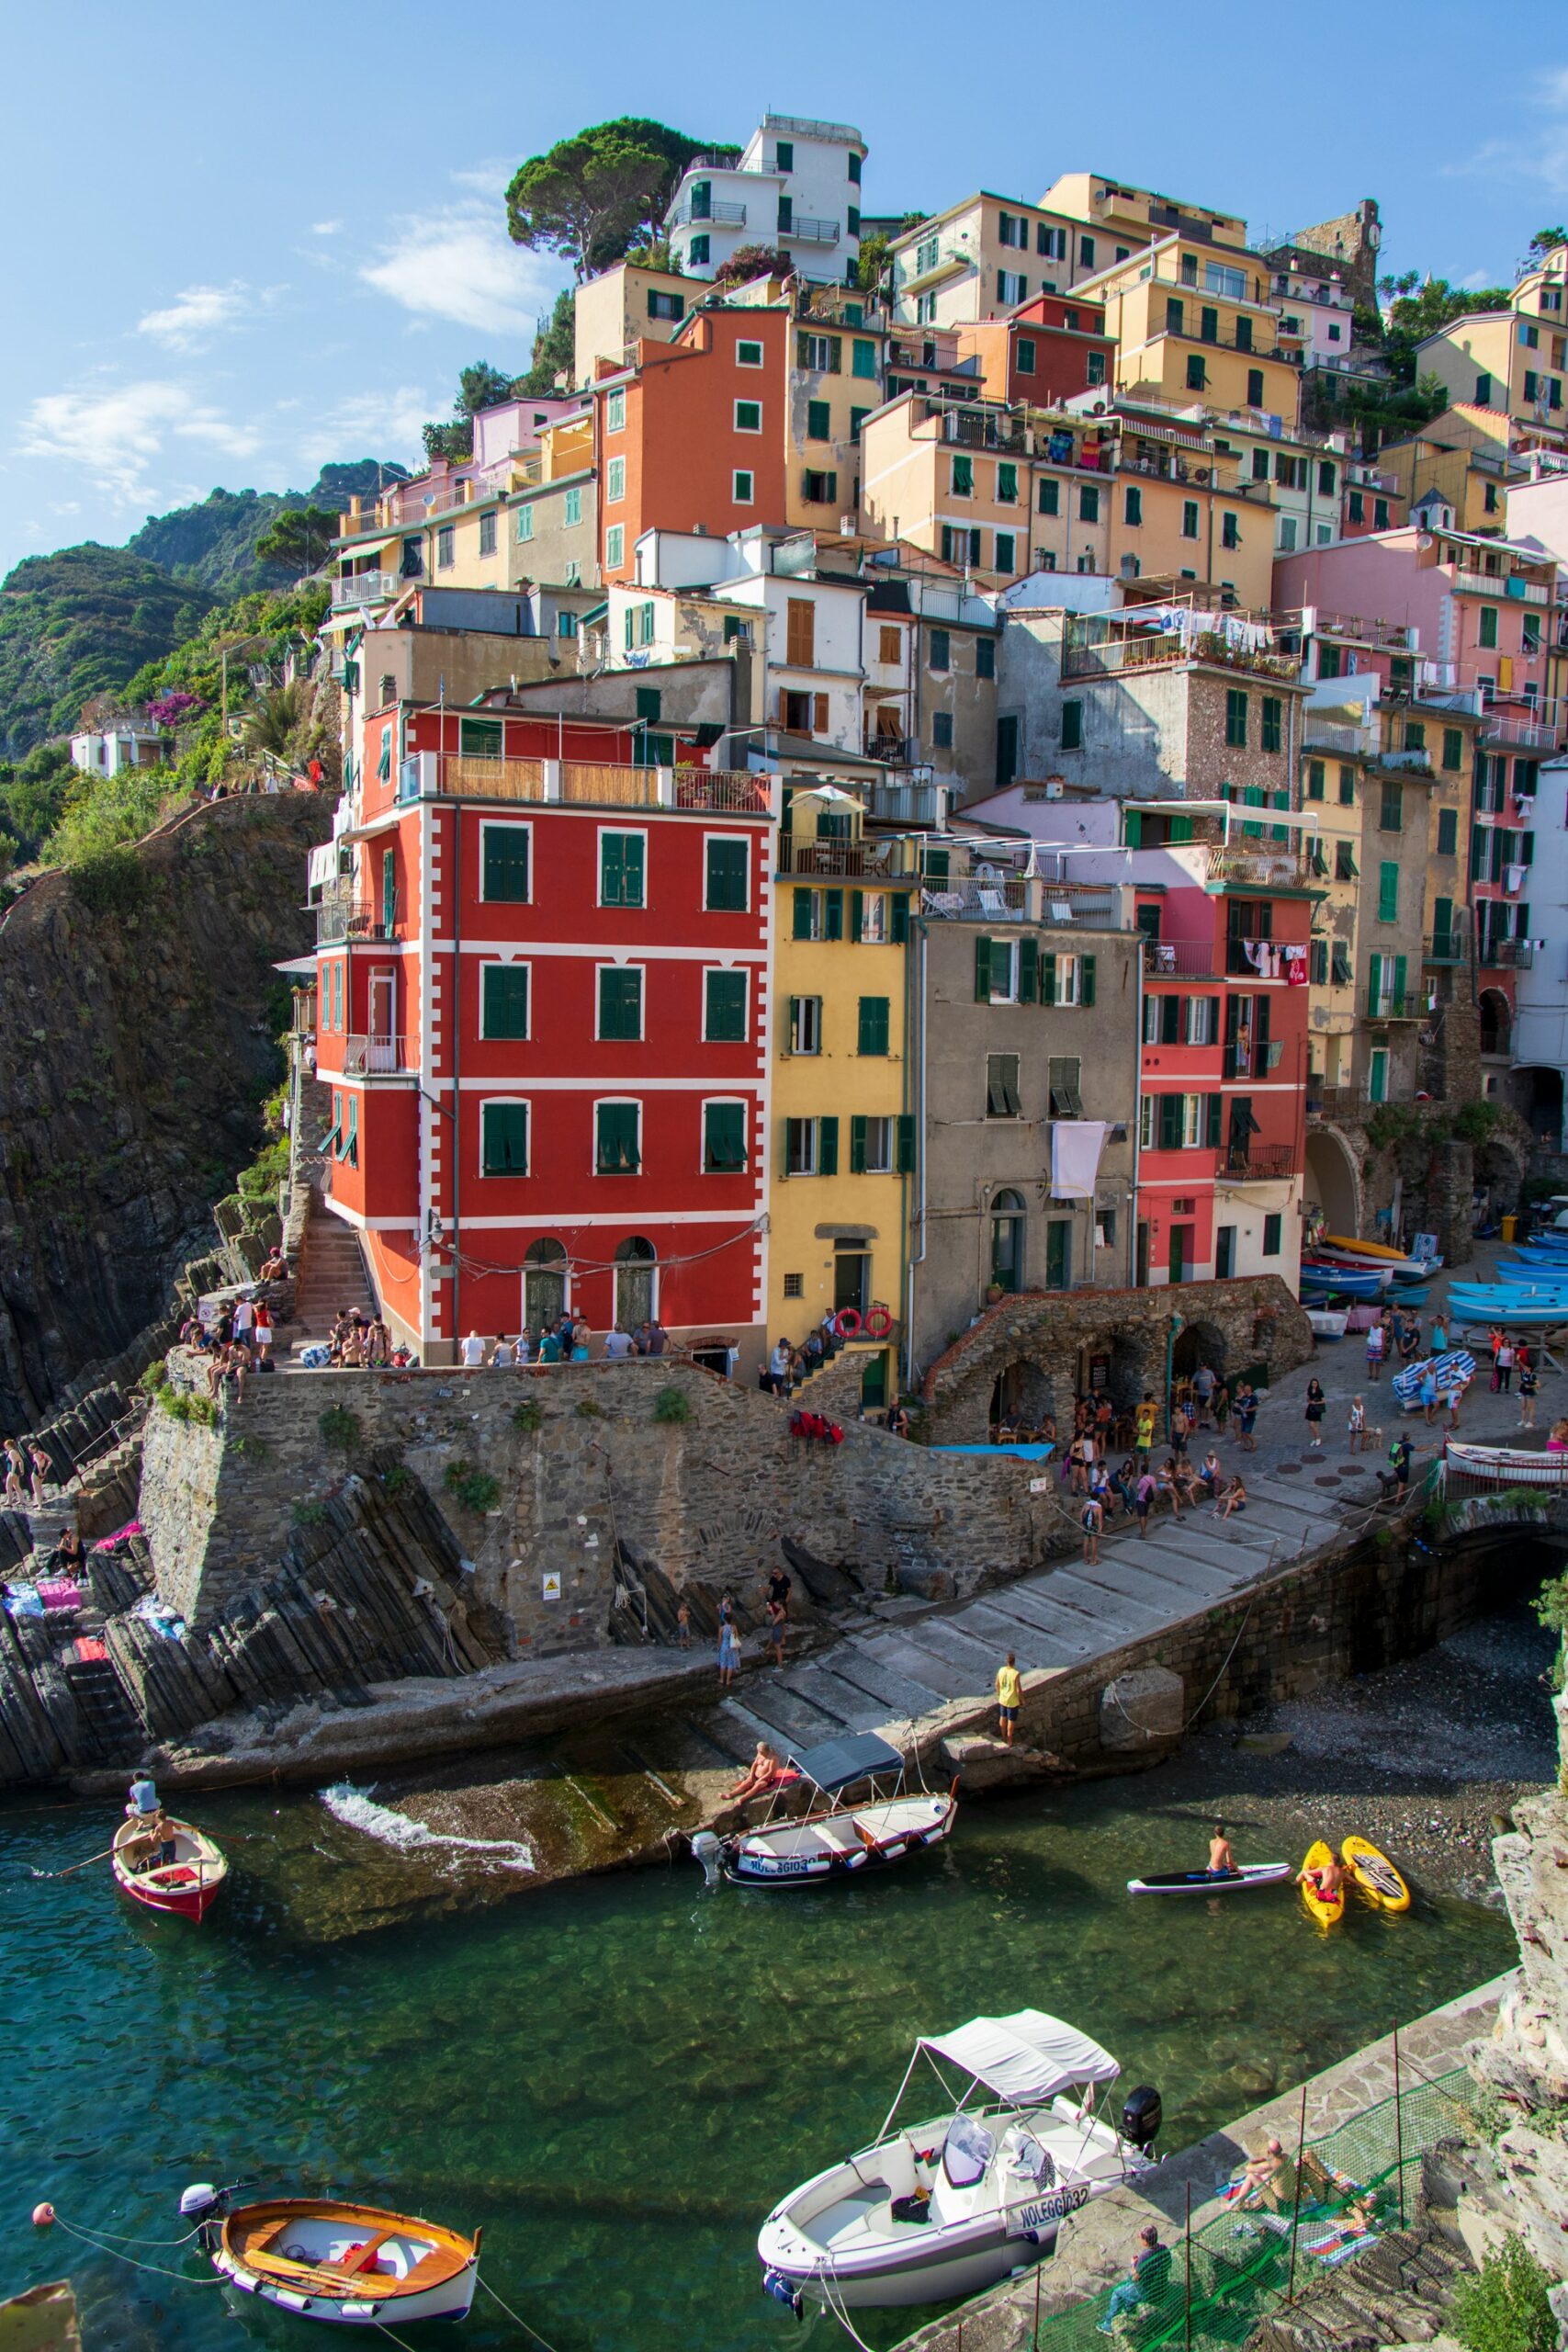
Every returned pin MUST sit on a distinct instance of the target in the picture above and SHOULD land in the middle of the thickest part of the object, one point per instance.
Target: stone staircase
(331, 1276)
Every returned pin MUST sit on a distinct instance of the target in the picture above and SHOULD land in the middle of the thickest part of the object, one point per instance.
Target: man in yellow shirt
(1143, 1430)
(1010, 1696)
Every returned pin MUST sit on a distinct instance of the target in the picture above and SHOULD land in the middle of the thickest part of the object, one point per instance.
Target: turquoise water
(619, 2078)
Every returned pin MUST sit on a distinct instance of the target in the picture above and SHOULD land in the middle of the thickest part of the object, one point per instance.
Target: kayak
(1375, 1874)
(1326, 1910)
(1201, 1881)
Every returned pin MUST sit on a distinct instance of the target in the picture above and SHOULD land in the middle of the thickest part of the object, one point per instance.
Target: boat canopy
(1027, 2058)
(839, 1763)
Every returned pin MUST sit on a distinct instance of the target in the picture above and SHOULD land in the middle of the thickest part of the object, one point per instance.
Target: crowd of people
(567, 1339)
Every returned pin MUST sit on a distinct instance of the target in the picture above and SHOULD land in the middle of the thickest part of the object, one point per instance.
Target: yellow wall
(611, 312)
(1162, 546)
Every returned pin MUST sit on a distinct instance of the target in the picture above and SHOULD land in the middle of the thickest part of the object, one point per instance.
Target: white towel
(1075, 1146)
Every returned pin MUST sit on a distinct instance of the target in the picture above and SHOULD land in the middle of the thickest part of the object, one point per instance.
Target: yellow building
(1516, 359)
(1190, 325)
(1333, 789)
(626, 305)
(1136, 216)
(844, 1132)
(1464, 456)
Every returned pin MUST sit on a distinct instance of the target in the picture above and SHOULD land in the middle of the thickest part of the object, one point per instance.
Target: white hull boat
(834, 1839)
(1327, 1322)
(939, 2210)
(349, 2265)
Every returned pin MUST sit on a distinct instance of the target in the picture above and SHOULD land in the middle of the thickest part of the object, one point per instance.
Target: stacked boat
(1338, 1268)
(1528, 1293)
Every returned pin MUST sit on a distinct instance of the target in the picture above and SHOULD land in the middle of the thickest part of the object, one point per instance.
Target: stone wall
(601, 1479)
(1234, 1325)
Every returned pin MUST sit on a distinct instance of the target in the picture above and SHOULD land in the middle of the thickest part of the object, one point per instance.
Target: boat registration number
(1053, 2209)
(770, 1867)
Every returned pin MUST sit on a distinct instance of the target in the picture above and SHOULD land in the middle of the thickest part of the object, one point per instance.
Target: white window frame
(814, 1132)
(883, 1167)
(509, 825)
(747, 496)
(1200, 1021)
(614, 481)
(506, 964)
(756, 429)
(615, 411)
(809, 1025)
(1191, 1122)
(617, 964)
(715, 1101)
(605, 1102)
(748, 353)
(1069, 981)
(874, 925)
(498, 1176)
(616, 547)
(745, 972)
(745, 839)
(622, 832)
(1145, 1123)
(1007, 947)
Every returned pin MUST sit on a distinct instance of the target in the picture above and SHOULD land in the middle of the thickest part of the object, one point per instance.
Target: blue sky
(240, 242)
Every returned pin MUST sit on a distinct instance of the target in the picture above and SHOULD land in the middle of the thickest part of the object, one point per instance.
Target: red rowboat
(187, 1886)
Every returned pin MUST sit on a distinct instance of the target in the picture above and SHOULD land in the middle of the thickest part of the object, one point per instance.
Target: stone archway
(1499, 1179)
(1198, 1343)
(1333, 1181)
(1497, 1015)
(1536, 1090)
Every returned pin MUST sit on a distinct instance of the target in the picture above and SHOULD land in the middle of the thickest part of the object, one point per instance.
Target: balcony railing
(1338, 1103)
(1332, 735)
(971, 432)
(1013, 898)
(342, 918)
(1527, 734)
(720, 210)
(1447, 948)
(1187, 959)
(904, 804)
(1260, 1160)
(1507, 954)
(1279, 869)
(366, 587)
(1393, 1004)
(899, 751)
(730, 792)
(806, 229)
(374, 1057)
(1500, 587)
(852, 859)
(1404, 763)
(1110, 655)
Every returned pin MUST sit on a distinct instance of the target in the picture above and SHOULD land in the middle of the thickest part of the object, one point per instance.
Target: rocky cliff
(138, 1007)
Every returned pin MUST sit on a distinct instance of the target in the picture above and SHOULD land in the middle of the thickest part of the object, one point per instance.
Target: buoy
(43, 2216)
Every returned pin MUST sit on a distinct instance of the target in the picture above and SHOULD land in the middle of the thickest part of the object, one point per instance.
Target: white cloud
(198, 314)
(113, 433)
(1541, 154)
(325, 228)
(491, 178)
(459, 263)
(376, 424)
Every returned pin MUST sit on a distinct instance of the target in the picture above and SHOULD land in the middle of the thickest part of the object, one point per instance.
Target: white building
(1540, 987)
(795, 188)
(131, 743)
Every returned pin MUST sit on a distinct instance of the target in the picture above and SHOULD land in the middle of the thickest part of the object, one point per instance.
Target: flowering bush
(168, 709)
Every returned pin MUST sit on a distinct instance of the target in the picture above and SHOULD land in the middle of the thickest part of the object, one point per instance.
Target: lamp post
(1177, 1323)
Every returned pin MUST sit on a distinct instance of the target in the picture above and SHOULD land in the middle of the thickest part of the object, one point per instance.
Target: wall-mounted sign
(551, 1583)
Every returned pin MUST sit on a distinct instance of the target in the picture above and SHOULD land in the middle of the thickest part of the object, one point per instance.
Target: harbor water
(617, 2079)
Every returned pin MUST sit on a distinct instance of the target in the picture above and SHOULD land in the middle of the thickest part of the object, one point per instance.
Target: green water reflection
(618, 2079)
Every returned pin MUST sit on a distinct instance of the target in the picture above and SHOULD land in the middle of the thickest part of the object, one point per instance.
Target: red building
(1221, 1133)
(1044, 352)
(542, 1010)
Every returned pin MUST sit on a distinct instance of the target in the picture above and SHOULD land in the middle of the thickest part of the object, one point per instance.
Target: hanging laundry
(1296, 966)
(1075, 1146)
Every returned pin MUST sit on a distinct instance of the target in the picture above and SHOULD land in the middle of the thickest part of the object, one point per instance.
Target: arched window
(1007, 1241)
(635, 1261)
(544, 1284)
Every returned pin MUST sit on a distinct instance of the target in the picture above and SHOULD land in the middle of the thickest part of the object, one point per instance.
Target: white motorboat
(832, 1839)
(943, 2208)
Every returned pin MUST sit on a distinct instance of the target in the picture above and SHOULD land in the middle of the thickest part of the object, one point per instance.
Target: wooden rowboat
(348, 2263)
(187, 1886)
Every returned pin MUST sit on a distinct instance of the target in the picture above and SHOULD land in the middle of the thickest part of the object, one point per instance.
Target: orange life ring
(846, 1322)
(878, 1323)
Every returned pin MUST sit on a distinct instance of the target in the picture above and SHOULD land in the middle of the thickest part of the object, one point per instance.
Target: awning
(301, 968)
(838, 1763)
(1027, 2058)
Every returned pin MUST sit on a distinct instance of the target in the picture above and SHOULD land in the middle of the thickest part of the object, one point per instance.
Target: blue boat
(1342, 1282)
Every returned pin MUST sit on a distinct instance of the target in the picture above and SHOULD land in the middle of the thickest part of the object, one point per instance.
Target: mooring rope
(155, 2269)
(515, 2317)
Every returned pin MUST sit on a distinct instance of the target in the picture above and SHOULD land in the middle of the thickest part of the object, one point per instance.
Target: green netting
(1331, 2199)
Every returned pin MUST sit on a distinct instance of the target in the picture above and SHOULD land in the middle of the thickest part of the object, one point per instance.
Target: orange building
(1044, 352)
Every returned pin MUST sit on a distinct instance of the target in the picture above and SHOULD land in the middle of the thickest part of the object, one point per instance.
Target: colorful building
(1191, 321)
(1043, 353)
(795, 187)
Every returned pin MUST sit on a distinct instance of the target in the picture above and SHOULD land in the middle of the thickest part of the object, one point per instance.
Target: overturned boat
(946, 2206)
(833, 1838)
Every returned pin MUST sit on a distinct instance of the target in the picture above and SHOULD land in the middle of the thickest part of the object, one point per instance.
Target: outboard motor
(205, 2206)
(708, 1850)
(1142, 2116)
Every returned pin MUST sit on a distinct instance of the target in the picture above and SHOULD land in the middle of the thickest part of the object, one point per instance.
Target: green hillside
(212, 545)
(79, 624)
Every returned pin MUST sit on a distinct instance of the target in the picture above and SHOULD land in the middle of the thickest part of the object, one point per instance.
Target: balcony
(1520, 734)
(1085, 657)
(986, 432)
(729, 792)
(1258, 869)
(1416, 764)
(342, 918)
(1395, 1004)
(1014, 898)
(806, 229)
(1338, 1103)
(1447, 948)
(898, 750)
(1187, 959)
(1259, 1163)
(719, 211)
(366, 588)
(1501, 587)
(376, 1057)
(1330, 735)
(875, 860)
(904, 804)
(1507, 954)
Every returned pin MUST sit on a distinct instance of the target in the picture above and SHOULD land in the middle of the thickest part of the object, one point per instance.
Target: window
(1002, 1086)
(1200, 1019)
(1013, 228)
(1347, 787)
(1287, 533)
(1391, 806)
(1448, 833)
(1072, 726)
(748, 354)
(617, 1139)
(1453, 747)
(637, 628)
(1190, 519)
(742, 487)
(806, 1022)
(1255, 388)
(620, 1001)
(1244, 334)
(960, 546)
(1488, 631)
(504, 1139)
(996, 970)
(1007, 486)
(942, 731)
(1379, 514)
(1064, 1084)
(566, 623)
(747, 416)
(1342, 971)
(614, 547)
(873, 1031)
(862, 359)
(820, 489)
(1088, 502)
(962, 483)
(1086, 252)
(665, 305)
(784, 155)
(479, 739)
(445, 547)
(1052, 242)
(817, 354)
(1095, 370)
(1066, 979)
(854, 167)
(818, 421)
(487, 532)
(1050, 496)
(1230, 531)
(525, 522)
(811, 1146)
(1344, 862)
(698, 252)
(1316, 779)
(857, 418)
(616, 412)
(870, 1147)
(727, 873)
(1273, 1229)
(504, 1000)
(795, 1285)
(615, 481)
(1235, 718)
(1132, 507)
(571, 508)
(1197, 374)
(939, 655)
(1012, 288)
(621, 865)
(800, 633)
(985, 657)
(724, 1138)
(1273, 710)
(1388, 892)
(1025, 355)
(1326, 477)
(1007, 552)
(505, 858)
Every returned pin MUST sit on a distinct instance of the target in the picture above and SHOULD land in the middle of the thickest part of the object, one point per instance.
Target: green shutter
(1170, 1020)
(618, 1153)
(818, 421)
(725, 1010)
(1527, 848)
(1399, 968)
(900, 918)
(724, 1138)
(1086, 980)
(827, 1146)
(1388, 892)
(982, 971)
(479, 739)
(1478, 838)
(1048, 980)
(832, 914)
(1170, 1121)
(803, 913)
(905, 1145)
(727, 875)
(504, 1139)
(857, 1147)
(620, 1001)
(1213, 1105)
(505, 862)
(873, 1025)
(1028, 970)
(857, 914)
(504, 1000)
(620, 869)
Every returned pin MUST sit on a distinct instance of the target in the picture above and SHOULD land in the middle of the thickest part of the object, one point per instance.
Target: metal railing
(1404, 762)
(971, 432)
(1110, 655)
(1393, 1004)
(1188, 959)
(1259, 1159)
(1337, 1101)
(899, 751)
(1280, 869)
(1507, 954)
(1527, 734)
(719, 209)
(374, 1058)
(587, 782)
(341, 920)
(1447, 948)
(1500, 586)
(366, 587)
(807, 229)
(847, 858)
(1331, 735)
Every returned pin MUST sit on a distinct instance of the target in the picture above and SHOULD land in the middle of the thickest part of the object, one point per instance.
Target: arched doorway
(635, 1261)
(1499, 1181)
(1496, 1022)
(1007, 1241)
(1198, 1343)
(1331, 1184)
(1535, 1092)
(544, 1284)
(1020, 1389)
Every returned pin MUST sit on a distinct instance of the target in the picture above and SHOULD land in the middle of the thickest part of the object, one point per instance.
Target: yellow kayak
(1327, 1910)
(1361, 1249)
(1375, 1874)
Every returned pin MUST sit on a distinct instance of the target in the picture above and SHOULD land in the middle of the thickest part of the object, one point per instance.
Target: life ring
(846, 1322)
(878, 1323)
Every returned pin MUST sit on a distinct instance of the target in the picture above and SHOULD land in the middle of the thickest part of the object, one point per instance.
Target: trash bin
(1510, 1226)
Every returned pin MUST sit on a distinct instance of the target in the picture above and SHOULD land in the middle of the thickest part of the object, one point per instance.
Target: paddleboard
(1201, 1881)
(1375, 1874)
(1326, 1913)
